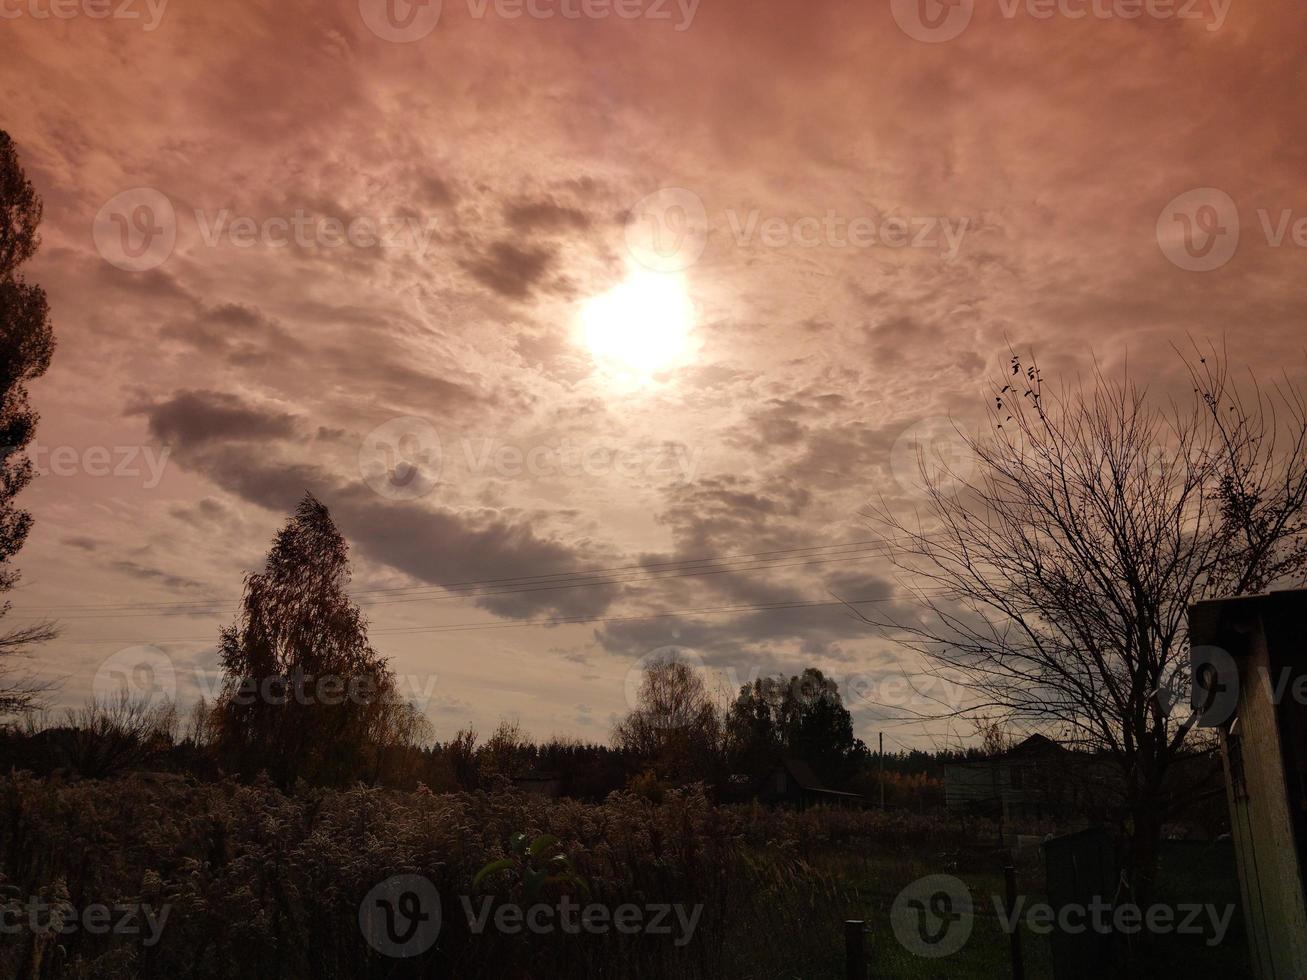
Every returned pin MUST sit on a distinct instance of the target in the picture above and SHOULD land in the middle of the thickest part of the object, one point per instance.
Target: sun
(641, 326)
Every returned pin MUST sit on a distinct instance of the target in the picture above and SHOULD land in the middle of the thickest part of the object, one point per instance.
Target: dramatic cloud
(361, 231)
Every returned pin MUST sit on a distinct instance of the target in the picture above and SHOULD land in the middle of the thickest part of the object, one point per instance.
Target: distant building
(539, 782)
(1037, 778)
(1040, 779)
(793, 783)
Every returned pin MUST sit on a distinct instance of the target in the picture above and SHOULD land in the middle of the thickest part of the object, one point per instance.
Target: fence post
(855, 950)
(1010, 880)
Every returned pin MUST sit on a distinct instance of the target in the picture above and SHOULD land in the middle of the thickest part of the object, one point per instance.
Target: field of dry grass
(260, 883)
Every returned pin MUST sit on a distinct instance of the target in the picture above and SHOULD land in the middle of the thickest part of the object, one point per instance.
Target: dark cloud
(545, 216)
(213, 433)
(148, 573)
(192, 417)
(207, 510)
(510, 270)
(240, 334)
(718, 514)
(435, 191)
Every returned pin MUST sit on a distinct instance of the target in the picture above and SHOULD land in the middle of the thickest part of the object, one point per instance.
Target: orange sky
(863, 203)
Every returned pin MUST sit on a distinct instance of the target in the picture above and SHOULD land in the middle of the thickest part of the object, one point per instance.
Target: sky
(526, 289)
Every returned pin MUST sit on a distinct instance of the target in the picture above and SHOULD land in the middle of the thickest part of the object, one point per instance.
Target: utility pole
(882, 769)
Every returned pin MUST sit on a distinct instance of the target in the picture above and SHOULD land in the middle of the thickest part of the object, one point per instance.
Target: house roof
(802, 774)
(1035, 746)
(809, 781)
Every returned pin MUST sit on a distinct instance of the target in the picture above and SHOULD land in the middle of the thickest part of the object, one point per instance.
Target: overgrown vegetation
(265, 883)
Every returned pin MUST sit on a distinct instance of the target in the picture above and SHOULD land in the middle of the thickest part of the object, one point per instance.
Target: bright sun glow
(640, 326)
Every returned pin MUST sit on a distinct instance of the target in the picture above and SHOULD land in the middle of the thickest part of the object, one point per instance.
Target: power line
(574, 621)
(583, 583)
(528, 579)
(677, 569)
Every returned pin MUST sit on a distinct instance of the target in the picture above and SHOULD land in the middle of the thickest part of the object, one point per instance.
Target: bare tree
(20, 692)
(1053, 581)
(117, 733)
(675, 727)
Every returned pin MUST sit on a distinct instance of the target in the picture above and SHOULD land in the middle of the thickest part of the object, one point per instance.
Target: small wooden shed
(794, 783)
(1249, 661)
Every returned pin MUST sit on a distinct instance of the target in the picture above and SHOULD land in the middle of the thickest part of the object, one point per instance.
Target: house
(539, 782)
(1036, 778)
(1249, 673)
(793, 783)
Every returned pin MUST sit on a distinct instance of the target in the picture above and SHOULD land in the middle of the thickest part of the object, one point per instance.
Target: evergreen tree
(26, 346)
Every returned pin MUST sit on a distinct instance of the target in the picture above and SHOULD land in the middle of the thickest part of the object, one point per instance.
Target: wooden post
(1010, 880)
(855, 950)
(882, 770)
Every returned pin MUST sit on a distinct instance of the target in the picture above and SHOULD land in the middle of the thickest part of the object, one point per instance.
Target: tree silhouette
(305, 694)
(26, 346)
(1053, 585)
(803, 717)
(675, 727)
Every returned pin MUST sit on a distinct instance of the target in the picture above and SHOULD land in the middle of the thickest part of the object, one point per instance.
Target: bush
(259, 882)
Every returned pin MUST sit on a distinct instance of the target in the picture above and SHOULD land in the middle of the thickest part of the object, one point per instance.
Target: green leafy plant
(535, 864)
